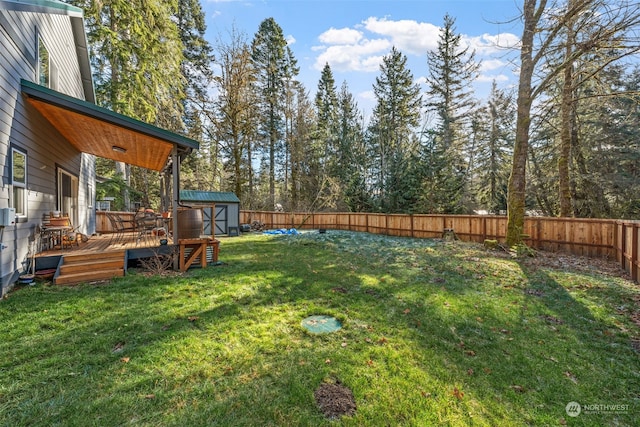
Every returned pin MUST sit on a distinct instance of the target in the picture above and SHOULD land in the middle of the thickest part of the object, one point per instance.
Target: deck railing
(598, 238)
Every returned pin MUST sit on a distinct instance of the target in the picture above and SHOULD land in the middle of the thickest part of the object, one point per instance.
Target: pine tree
(326, 104)
(452, 71)
(352, 157)
(491, 170)
(394, 120)
(275, 65)
(136, 55)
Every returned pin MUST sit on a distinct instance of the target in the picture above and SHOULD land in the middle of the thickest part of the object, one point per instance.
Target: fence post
(386, 224)
(623, 245)
(411, 218)
(634, 252)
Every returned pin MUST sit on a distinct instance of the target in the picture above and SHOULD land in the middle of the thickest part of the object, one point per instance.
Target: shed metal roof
(208, 196)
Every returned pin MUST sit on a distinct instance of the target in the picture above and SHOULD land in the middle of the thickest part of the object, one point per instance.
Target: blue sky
(353, 35)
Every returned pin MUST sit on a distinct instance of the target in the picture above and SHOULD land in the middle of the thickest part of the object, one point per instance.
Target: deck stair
(90, 267)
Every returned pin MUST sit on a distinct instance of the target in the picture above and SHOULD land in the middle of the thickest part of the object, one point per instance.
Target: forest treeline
(565, 142)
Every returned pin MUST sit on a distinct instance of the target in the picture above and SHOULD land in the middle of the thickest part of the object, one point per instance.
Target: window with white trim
(19, 181)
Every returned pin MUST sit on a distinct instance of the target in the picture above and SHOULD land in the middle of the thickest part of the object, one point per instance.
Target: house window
(19, 181)
(44, 64)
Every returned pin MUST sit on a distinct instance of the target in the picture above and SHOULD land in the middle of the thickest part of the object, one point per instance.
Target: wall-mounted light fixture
(118, 149)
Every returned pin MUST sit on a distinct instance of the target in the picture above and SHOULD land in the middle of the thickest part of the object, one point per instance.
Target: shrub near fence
(596, 238)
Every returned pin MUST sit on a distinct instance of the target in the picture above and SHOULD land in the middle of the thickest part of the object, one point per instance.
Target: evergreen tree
(324, 145)
(136, 55)
(452, 71)
(352, 157)
(491, 171)
(200, 169)
(326, 104)
(606, 152)
(395, 117)
(274, 65)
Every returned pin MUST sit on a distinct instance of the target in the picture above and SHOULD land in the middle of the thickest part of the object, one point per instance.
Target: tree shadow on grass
(425, 338)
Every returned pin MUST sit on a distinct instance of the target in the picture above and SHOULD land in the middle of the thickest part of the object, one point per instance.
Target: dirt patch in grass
(562, 261)
(335, 400)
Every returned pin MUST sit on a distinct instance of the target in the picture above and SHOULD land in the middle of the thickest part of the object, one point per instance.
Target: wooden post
(411, 218)
(623, 245)
(634, 252)
(175, 197)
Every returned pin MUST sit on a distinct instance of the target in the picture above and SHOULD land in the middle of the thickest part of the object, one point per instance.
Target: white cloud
(483, 78)
(367, 96)
(492, 64)
(340, 36)
(290, 40)
(408, 36)
(363, 56)
(422, 81)
(362, 47)
(348, 49)
(488, 44)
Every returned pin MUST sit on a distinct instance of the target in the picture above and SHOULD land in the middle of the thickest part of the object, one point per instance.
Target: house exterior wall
(23, 127)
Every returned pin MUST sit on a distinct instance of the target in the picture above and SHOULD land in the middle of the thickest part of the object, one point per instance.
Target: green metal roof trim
(91, 110)
(44, 6)
(208, 196)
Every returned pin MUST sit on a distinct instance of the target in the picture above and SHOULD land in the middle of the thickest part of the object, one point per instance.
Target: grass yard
(434, 333)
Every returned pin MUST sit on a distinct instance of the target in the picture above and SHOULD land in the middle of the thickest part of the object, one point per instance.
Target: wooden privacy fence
(597, 238)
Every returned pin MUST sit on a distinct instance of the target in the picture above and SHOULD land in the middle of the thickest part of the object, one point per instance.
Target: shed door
(207, 219)
(221, 219)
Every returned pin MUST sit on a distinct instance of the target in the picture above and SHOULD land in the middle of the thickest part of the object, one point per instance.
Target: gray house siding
(22, 126)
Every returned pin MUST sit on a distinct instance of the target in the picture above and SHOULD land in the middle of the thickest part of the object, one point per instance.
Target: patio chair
(147, 223)
(120, 227)
(57, 231)
(45, 238)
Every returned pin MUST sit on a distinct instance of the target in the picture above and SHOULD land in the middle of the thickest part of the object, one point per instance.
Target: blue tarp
(282, 231)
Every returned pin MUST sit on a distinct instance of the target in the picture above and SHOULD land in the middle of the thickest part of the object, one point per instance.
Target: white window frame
(19, 187)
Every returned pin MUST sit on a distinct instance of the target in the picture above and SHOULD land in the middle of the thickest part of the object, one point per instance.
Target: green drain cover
(321, 324)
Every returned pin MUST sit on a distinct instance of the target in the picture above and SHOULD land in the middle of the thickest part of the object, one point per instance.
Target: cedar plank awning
(99, 131)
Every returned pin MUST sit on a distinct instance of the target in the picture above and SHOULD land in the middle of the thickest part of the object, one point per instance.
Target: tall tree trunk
(517, 180)
(566, 126)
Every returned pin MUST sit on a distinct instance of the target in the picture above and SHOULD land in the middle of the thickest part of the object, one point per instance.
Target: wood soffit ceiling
(94, 136)
(101, 132)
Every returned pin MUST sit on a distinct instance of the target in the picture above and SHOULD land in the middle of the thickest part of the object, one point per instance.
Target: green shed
(227, 209)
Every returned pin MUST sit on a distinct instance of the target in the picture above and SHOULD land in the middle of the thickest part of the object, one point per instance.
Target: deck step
(98, 265)
(90, 267)
(89, 276)
(85, 258)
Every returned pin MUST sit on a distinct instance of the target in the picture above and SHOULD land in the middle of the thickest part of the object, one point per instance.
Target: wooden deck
(103, 257)
(99, 258)
(102, 244)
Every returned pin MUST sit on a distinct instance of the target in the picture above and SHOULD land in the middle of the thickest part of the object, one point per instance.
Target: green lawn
(434, 333)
